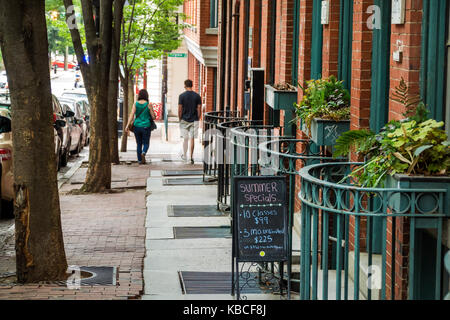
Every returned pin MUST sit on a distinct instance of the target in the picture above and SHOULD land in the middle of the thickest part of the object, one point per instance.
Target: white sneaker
(183, 157)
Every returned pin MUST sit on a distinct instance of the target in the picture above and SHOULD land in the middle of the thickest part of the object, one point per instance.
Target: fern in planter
(415, 145)
(325, 99)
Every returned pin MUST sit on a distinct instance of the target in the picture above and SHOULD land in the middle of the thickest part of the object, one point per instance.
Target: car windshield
(73, 95)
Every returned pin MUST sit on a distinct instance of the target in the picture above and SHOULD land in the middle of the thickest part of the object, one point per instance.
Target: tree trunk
(114, 84)
(126, 109)
(66, 58)
(40, 252)
(98, 177)
(96, 79)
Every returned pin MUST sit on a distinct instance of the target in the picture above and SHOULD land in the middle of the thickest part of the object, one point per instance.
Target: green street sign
(177, 55)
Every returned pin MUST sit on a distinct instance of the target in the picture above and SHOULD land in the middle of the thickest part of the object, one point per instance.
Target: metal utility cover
(215, 283)
(185, 182)
(201, 232)
(169, 173)
(194, 211)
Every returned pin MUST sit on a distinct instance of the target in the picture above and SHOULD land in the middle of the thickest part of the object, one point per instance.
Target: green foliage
(57, 31)
(324, 98)
(362, 140)
(415, 145)
(149, 30)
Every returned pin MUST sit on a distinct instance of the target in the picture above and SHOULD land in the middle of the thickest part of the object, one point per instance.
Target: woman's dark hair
(143, 95)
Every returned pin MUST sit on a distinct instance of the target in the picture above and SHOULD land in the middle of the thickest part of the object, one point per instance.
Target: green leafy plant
(325, 99)
(415, 145)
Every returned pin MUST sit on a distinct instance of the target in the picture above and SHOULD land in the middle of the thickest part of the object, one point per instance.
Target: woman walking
(141, 116)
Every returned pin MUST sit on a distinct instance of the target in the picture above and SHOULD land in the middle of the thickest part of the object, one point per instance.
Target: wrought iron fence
(224, 164)
(328, 195)
(210, 122)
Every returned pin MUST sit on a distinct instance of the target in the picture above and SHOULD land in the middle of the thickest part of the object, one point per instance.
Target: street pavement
(130, 229)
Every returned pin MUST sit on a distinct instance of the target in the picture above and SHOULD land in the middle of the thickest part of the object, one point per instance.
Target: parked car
(60, 124)
(3, 80)
(7, 176)
(78, 127)
(79, 93)
(60, 64)
(82, 114)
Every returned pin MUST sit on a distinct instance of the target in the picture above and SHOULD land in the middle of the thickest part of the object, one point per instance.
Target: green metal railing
(210, 122)
(326, 195)
(263, 151)
(223, 154)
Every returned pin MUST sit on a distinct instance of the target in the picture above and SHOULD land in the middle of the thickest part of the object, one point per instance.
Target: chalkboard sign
(260, 218)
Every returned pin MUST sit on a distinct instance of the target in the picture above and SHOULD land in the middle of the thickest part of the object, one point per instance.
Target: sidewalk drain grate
(201, 232)
(101, 276)
(193, 211)
(217, 282)
(168, 173)
(186, 182)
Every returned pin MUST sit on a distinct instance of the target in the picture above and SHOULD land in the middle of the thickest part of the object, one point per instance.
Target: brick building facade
(360, 44)
(201, 40)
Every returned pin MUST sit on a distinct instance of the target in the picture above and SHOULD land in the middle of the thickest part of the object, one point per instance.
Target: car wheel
(58, 160)
(65, 156)
(7, 209)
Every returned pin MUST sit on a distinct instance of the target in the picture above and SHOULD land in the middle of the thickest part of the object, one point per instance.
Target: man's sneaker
(143, 158)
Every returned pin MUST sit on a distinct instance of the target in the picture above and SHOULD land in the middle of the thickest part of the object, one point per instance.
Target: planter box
(280, 99)
(425, 229)
(326, 132)
(426, 202)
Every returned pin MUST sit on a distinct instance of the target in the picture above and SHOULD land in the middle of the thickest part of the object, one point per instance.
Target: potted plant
(409, 153)
(324, 111)
(281, 96)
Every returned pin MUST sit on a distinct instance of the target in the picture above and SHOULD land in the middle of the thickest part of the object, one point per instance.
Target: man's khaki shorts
(189, 129)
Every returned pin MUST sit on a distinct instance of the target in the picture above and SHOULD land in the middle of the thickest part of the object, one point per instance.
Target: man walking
(189, 110)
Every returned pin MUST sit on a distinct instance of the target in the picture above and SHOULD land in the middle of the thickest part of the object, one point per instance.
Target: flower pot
(280, 99)
(325, 132)
(425, 203)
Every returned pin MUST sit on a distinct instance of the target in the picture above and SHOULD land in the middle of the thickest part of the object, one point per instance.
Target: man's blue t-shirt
(189, 100)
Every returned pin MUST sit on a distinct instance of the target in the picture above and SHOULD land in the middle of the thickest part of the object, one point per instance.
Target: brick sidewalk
(99, 230)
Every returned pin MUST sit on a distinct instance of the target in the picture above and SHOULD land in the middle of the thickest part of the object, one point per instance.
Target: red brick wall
(304, 69)
(410, 36)
(361, 66)
(330, 51)
(209, 94)
(284, 42)
(265, 45)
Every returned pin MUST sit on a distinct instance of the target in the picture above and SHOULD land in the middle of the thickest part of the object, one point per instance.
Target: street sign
(177, 55)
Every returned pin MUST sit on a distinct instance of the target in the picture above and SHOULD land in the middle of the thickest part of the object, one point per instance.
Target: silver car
(3, 80)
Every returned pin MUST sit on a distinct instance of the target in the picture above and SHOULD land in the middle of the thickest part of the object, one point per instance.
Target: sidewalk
(102, 230)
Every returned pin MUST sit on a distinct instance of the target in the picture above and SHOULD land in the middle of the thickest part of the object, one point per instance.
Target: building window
(381, 53)
(345, 42)
(317, 38)
(434, 38)
(447, 108)
(214, 8)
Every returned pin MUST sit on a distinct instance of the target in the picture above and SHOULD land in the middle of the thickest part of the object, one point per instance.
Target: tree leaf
(399, 156)
(422, 149)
